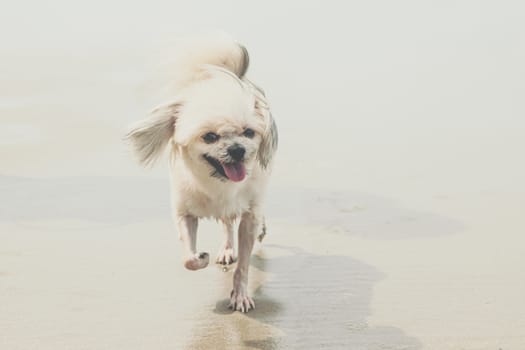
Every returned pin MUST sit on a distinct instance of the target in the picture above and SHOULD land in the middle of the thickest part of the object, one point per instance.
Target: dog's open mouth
(235, 171)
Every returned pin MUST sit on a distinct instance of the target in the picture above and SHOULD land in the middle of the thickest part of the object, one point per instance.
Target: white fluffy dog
(222, 139)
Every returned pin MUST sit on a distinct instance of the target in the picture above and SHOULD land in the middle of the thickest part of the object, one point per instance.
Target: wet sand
(395, 211)
(109, 276)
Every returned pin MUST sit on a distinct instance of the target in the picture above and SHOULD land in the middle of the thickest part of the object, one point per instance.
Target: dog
(222, 139)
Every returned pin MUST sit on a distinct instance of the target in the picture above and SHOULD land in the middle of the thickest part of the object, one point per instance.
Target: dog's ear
(270, 137)
(150, 136)
(268, 144)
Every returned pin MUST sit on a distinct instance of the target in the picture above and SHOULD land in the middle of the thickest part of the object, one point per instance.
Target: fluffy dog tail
(192, 55)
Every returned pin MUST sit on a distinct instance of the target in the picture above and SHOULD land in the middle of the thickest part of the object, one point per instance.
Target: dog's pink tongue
(235, 172)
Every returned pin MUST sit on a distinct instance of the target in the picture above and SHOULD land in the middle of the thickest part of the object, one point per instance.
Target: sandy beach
(395, 211)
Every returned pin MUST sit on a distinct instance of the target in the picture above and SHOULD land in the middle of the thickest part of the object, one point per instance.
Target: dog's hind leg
(226, 254)
(248, 229)
(261, 235)
(188, 235)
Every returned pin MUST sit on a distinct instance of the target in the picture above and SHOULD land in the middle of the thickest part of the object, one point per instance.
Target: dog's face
(219, 126)
(218, 129)
(229, 151)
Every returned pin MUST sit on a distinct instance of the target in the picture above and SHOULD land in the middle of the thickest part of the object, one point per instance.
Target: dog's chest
(220, 204)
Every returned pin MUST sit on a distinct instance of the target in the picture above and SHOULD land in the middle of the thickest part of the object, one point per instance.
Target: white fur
(212, 95)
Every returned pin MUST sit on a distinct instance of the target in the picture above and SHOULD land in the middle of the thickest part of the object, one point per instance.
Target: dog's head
(220, 125)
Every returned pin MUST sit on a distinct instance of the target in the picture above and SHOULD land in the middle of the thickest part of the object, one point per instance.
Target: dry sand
(395, 211)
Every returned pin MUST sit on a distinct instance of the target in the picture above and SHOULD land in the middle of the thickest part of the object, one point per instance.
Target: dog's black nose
(236, 152)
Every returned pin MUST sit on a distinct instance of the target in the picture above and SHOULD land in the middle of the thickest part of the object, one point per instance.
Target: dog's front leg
(188, 235)
(226, 254)
(248, 229)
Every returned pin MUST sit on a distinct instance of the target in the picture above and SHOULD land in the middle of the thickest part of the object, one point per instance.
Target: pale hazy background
(397, 201)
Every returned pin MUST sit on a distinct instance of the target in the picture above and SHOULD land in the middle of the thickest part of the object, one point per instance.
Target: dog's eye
(210, 137)
(249, 133)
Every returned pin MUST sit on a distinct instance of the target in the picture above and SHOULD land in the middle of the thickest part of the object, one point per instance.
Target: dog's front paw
(240, 301)
(197, 261)
(226, 256)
